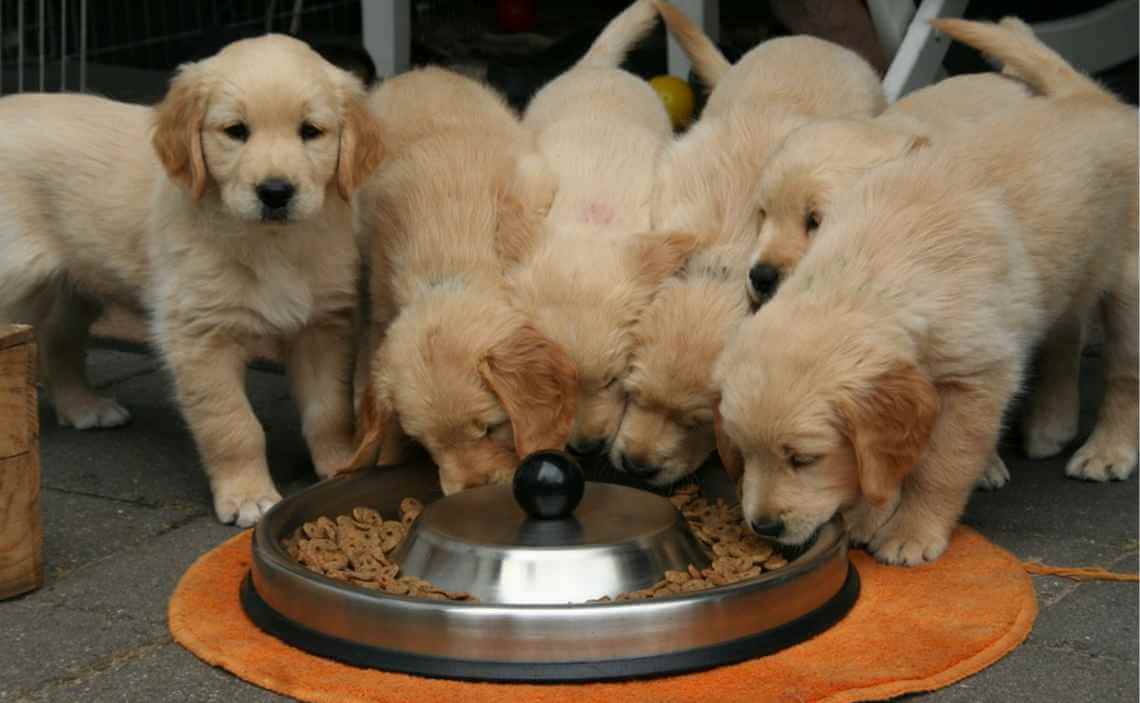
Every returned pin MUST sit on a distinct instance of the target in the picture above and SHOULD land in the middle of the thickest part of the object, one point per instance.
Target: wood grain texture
(21, 531)
(18, 422)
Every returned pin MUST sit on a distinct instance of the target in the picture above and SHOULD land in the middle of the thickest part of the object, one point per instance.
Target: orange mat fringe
(1078, 573)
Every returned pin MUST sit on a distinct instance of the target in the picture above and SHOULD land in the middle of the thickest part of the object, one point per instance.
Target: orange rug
(911, 630)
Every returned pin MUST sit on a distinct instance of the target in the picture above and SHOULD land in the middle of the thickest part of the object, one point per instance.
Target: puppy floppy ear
(525, 193)
(361, 148)
(378, 435)
(537, 384)
(177, 136)
(889, 426)
(658, 255)
(730, 456)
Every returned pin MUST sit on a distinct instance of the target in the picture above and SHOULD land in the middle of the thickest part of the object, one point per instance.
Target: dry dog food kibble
(357, 548)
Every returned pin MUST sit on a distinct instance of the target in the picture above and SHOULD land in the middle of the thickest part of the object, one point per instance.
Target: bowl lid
(552, 538)
(608, 514)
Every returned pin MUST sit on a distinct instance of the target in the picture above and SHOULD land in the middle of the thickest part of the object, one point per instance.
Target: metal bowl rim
(273, 554)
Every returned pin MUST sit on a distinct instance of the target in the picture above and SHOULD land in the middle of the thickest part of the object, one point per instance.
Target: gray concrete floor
(126, 511)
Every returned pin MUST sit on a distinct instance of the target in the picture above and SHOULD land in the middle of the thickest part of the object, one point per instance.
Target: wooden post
(21, 533)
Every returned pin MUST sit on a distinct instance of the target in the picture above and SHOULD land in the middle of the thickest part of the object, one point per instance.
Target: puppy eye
(811, 222)
(310, 131)
(801, 460)
(237, 131)
(761, 214)
(609, 382)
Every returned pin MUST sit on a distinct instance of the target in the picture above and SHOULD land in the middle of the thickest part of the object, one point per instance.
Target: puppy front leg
(319, 364)
(209, 380)
(935, 493)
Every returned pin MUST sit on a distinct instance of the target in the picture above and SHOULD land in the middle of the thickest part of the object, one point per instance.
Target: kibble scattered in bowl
(358, 549)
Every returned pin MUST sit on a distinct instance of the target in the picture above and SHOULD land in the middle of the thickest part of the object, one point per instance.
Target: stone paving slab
(44, 644)
(81, 529)
(163, 673)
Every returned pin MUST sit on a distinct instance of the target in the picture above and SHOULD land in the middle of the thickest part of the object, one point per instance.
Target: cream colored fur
(819, 161)
(454, 365)
(781, 84)
(602, 131)
(666, 433)
(90, 211)
(906, 328)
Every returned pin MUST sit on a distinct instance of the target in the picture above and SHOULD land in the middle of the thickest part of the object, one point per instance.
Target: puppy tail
(1012, 43)
(620, 35)
(708, 61)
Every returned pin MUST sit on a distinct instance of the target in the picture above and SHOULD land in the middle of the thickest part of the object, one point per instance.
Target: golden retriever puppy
(819, 161)
(601, 130)
(223, 212)
(776, 87)
(666, 432)
(906, 328)
(455, 366)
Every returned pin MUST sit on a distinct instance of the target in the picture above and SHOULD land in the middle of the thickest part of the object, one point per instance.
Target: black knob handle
(548, 485)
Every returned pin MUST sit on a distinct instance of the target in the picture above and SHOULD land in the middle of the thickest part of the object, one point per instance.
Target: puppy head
(666, 432)
(474, 384)
(813, 165)
(818, 420)
(585, 293)
(270, 126)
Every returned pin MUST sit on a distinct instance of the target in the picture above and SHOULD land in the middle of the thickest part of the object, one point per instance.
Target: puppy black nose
(635, 469)
(275, 193)
(588, 446)
(764, 279)
(772, 528)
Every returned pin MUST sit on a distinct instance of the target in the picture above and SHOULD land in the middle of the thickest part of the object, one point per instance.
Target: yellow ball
(678, 99)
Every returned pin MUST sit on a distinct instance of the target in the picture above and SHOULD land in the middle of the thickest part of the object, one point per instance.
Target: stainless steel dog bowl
(532, 623)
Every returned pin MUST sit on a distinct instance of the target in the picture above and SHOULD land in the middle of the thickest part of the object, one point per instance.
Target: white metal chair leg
(387, 29)
(918, 61)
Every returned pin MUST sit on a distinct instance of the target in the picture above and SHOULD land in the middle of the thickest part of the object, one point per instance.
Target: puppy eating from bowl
(451, 363)
(905, 330)
(595, 265)
(666, 432)
(223, 213)
(819, 161)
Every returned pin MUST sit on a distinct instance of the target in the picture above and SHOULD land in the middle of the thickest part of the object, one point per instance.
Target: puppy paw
(244, 508)
(332, 460)
(906, 545)
(1048, 434)
(1103, 460)
(91, 413)
(863, 522)
(995, 476)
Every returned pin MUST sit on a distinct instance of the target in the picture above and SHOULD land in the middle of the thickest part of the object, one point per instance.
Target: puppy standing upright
(705, 177)
(234, 228)
(601, 130)
(906, 328)
(454, 365)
